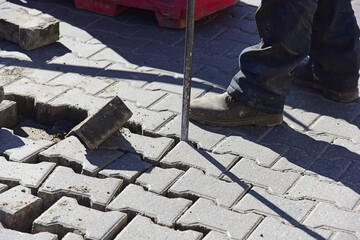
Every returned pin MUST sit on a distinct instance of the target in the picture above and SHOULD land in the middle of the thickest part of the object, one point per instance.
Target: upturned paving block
(71, 152)
(15, 235)
(213, 235)
(128, 167)
(89, 191)
(29, 31)
(3, 187)
(18, 208)
(8, 114)
(25, 174)
(271, 228)
(134, 199)
(247, 170)
(143, 228)
(262, 154)
(19, 149)
(312, 188)
(152, 149)
(103, 123)
(205, 214)
(328, 215)
(184, 156)
(260, 201)
(158, 180)
(66, 215)
(73, 236)
(195, 184)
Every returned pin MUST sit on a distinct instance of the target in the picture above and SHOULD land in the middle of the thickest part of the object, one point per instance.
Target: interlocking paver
(89, 191)
(76, 33)
(158, 180)
(213, 235)
(81, 49)
(343, 148)
(15, 235)
(184, 156)
(72, 236)
(143, 228)
(134, 199)
(298, 119)
(260, 201)
(350, 176)
(205, 214)
(67, 216)
(128, 167)
(194, 183)
(18, 208)
(312, 188)
(25, 174)
(8, 114)
(72, 153)
(294, 160)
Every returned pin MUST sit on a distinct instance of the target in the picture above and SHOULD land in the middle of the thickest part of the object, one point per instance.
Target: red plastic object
(169, 13)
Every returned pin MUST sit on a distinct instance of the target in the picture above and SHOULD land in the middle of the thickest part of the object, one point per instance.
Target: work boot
(304, 76)
(224, 111)
(1, 94)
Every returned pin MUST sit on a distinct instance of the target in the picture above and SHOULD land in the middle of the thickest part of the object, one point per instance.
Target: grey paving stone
(195, 184)
(72, 236)
(8, 114)
(128, 167)
(158, 180)
(27, 30)
(248, 171)
(15, 235)
(184, 156)
(328, 169)
(25, 174)
(70, 152)
(205, 214)
(343, 148)
(310, 187)
(69, 30)
(3, 187)
(81, 49)
(258, 200)
(152, 149)
(18, 208)
(343, 236)
(271, 228)
(327, 215)
(67, 216)
(298, 119)
(350, 176)
(213, 235)
(38, 74)
(110, 54)
(172, 102)
(89, 191)
(134, 199)
(294, 160)
(143, 228)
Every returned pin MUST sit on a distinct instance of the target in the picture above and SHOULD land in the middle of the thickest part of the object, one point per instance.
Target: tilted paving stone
(66, 215)
(152, 149)
(70, 152)
(260, 201)
(158, 180)
(72, 236)
(18, 208)
(276, 181)
(184, 156)
(143, 228)
(271, 228)
(264, 155)
(205, 214)
(312, 188)
(89, 191)
(134, 199)
(213, 235)
(328, 215)
(15, 235)
(128, 167)
(343, 236)
(25, 174)
(194, 183)
(19, 149)
(8, 114)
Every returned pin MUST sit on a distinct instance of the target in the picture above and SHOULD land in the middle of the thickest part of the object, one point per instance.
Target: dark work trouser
(289, 31)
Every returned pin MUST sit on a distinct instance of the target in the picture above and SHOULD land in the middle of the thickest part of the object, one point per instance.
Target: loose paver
(67, 216)
(8, 114)
(158, 180)
(89, 191)
(25, 174)
(152, 149)
(70, 152)
(184, 156)
(312, 188)
(18, 208)
(143, 228)
(205, 214)
(15, 235)
(134, 199)
(260, 201)
(213, 235)
(194, 183)
(72, 236)
(128, 167)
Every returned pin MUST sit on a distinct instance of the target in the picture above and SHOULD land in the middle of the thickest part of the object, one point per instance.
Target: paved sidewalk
(300, 180)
